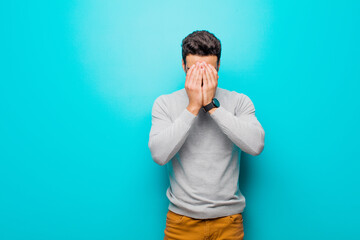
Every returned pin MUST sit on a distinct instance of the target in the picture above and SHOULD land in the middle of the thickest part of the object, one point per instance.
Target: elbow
(159, 160)
(257, 150)
(157, 155)
(260, 146)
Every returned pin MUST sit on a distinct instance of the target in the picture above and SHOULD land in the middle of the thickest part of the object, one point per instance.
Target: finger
(189, 75)
(203, 73)
(199, 76)
(206, 77)
(210, 77)
(215, 73)
(194, 76)
(190, 71)
(211, 70)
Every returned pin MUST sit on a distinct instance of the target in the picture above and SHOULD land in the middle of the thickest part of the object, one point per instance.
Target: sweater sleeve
(167, 136)
(243, 128)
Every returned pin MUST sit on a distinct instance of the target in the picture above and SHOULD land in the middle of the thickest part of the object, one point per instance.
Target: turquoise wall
(78, 80)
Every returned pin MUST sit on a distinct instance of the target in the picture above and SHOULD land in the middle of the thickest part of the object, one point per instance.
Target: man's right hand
(193, 88)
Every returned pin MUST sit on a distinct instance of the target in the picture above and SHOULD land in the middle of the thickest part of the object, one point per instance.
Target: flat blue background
(78, 80)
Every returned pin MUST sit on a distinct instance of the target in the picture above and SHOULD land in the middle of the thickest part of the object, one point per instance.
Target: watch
(214, 104)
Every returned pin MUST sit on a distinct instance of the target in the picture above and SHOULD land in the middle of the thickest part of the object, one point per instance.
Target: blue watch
(214, 104)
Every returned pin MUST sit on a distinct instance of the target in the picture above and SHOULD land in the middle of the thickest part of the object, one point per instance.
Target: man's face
(192, 59)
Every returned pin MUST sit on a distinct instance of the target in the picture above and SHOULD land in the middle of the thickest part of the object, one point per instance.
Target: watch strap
(209, 106)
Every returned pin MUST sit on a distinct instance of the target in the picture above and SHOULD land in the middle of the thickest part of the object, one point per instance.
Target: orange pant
(180, 227)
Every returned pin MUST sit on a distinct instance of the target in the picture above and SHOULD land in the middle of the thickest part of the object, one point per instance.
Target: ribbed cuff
(187, 117)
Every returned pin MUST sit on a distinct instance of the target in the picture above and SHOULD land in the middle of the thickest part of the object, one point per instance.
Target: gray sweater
(202, 152)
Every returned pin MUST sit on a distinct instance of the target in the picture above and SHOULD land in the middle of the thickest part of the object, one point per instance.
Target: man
(198, 132)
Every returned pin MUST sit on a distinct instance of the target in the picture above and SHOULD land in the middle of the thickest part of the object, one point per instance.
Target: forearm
(247, 134)
(167, 142)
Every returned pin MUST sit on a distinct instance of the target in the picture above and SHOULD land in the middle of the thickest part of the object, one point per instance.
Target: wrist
(211, 111)
(207, 102)
(211, 106)
(193, 109)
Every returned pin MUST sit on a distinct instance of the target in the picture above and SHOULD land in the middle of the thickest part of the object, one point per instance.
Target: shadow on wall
(244, 178)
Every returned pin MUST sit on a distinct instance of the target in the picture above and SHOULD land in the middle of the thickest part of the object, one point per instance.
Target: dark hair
(202, 43)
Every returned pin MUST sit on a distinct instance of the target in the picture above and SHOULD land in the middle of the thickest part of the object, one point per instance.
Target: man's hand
(210, 80)
(193, 88)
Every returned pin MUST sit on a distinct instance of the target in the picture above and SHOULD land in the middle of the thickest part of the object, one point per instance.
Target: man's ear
(183, 65)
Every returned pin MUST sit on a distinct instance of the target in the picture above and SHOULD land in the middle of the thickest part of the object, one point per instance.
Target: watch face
(216, 102)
